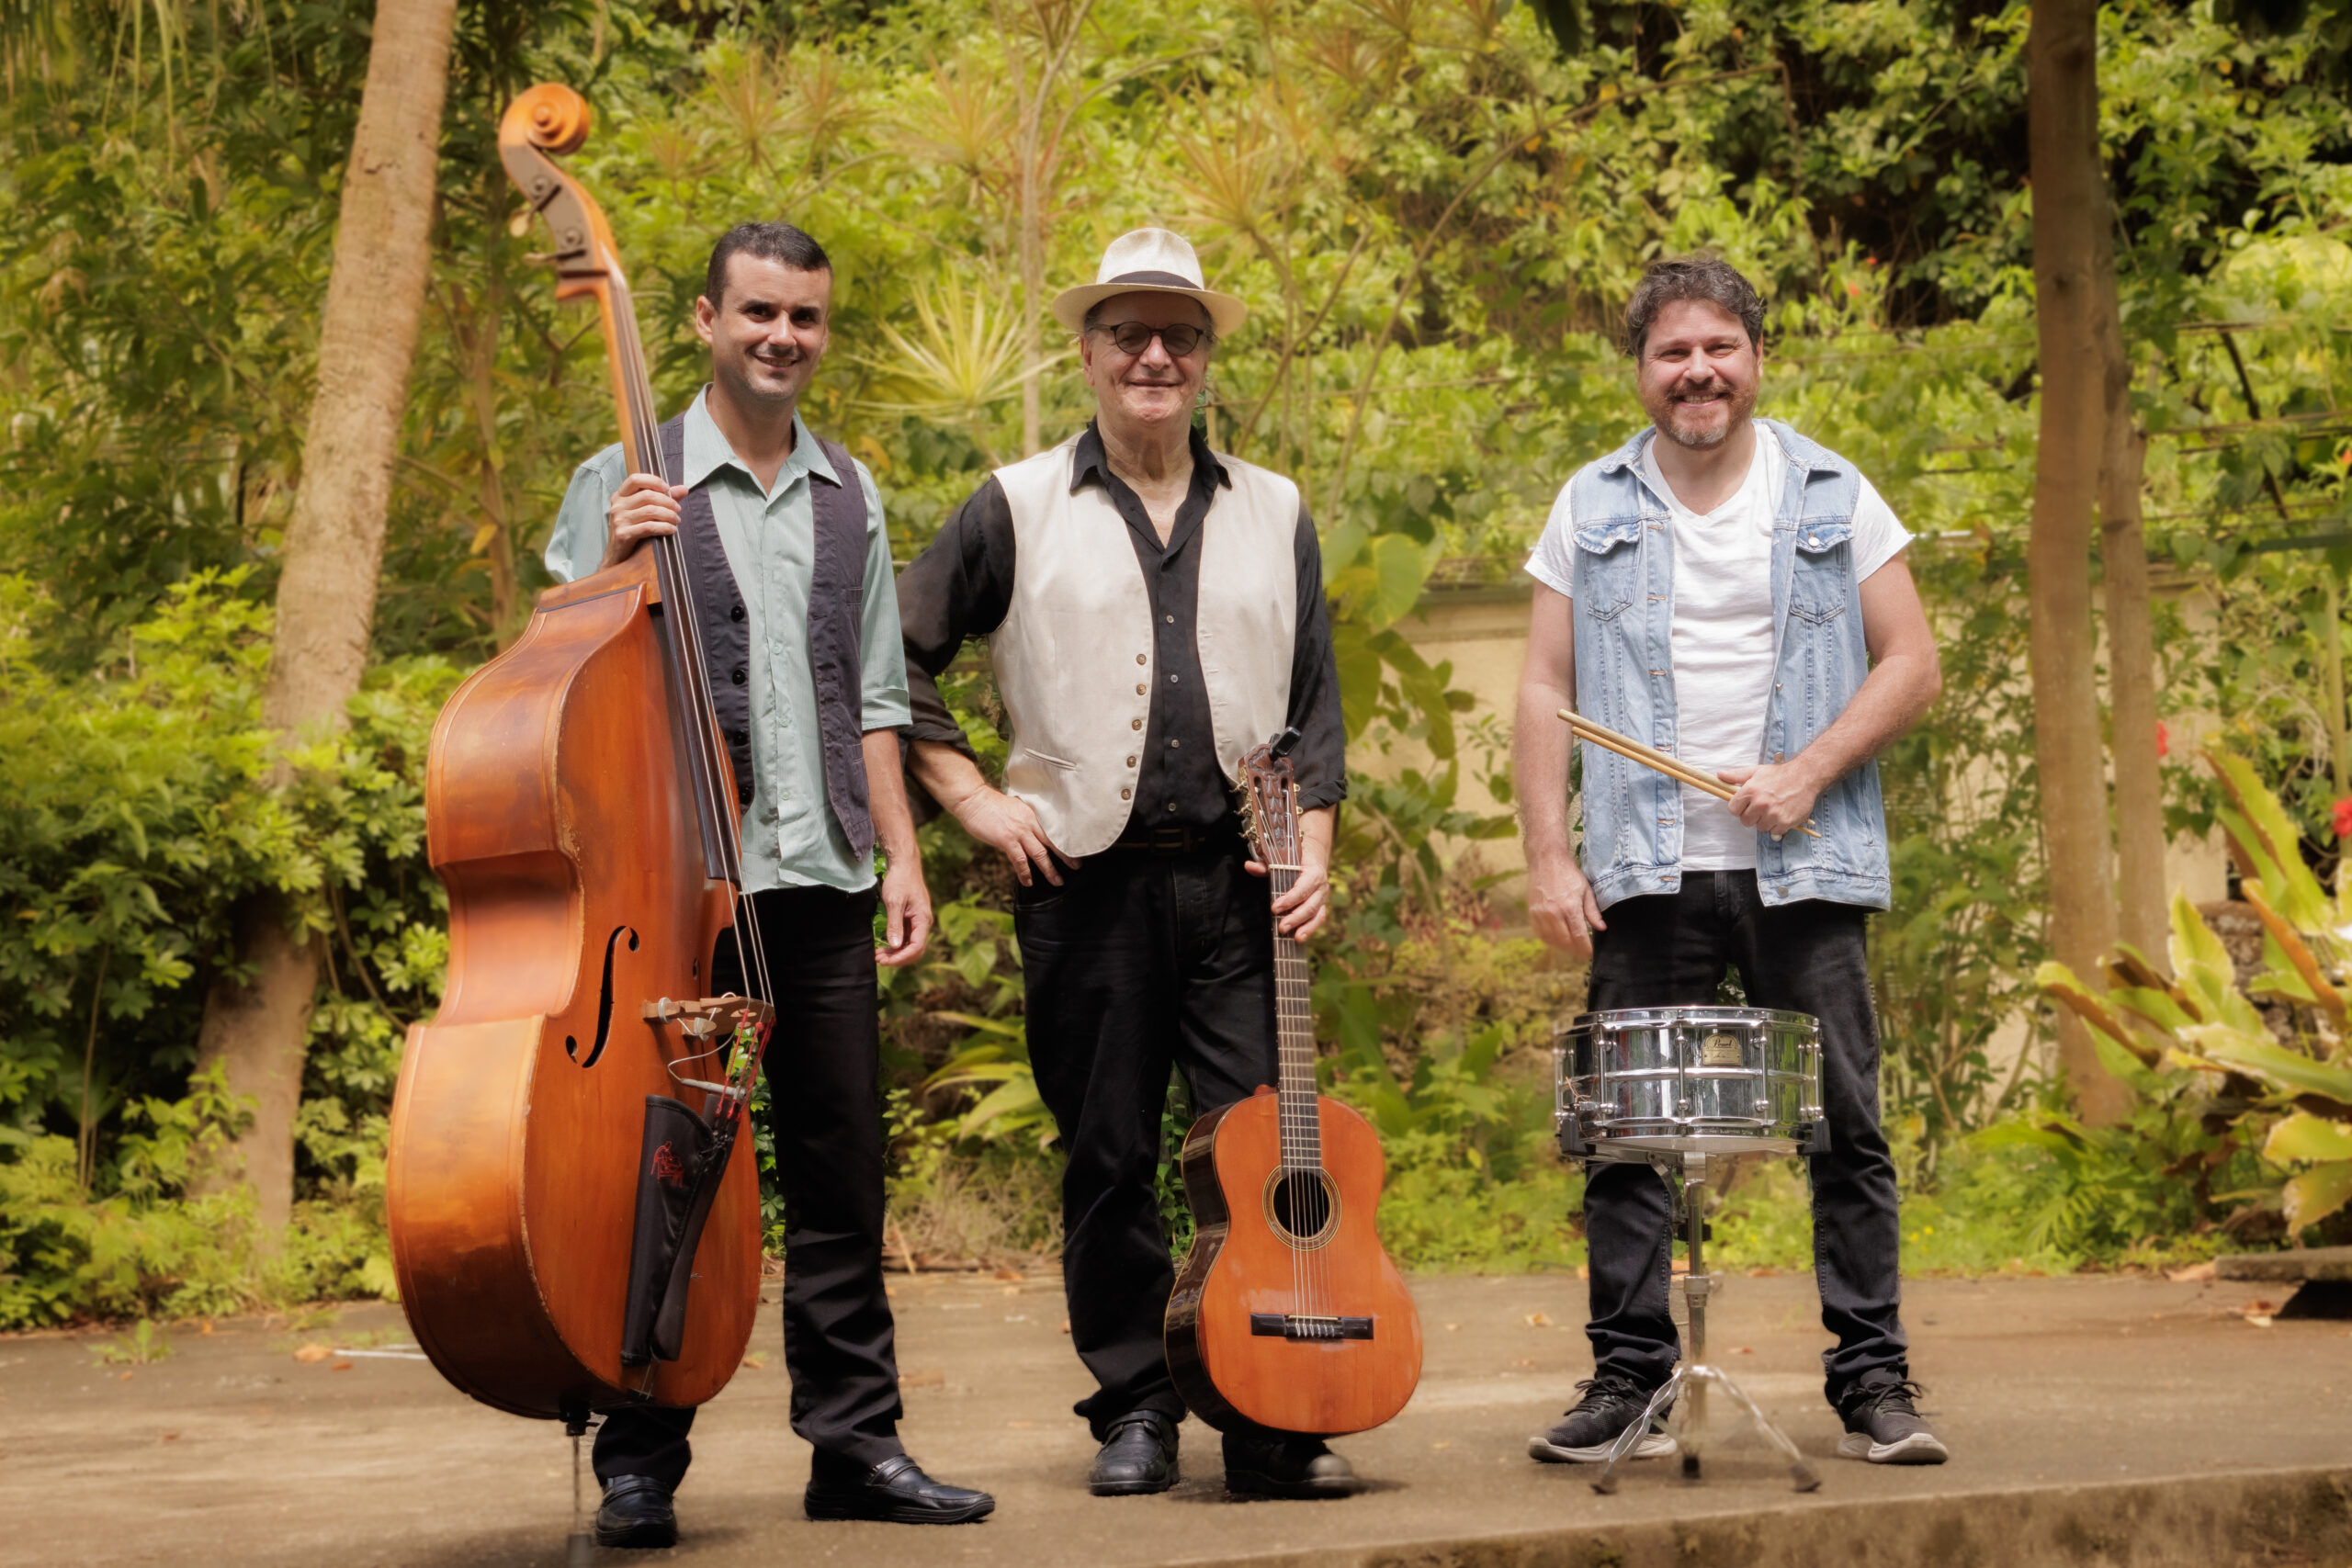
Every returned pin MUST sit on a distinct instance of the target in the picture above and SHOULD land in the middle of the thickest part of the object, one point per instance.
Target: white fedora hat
(1148, 260)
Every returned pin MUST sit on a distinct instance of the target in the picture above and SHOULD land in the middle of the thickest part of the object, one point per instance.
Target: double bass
(1288, 1315)
(568, 1234)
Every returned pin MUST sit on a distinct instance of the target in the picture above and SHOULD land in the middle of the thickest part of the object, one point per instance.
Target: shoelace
(1594, 1391)
(1900, 1394)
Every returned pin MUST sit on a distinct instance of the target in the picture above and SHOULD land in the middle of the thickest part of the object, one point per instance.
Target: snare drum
(1631, 1082)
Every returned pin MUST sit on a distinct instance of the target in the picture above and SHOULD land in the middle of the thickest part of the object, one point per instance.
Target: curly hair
(1702, 276)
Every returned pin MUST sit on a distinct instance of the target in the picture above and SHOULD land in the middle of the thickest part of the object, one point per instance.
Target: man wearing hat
(1153, 610)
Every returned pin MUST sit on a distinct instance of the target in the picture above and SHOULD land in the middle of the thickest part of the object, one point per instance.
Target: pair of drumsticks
(1633, 750)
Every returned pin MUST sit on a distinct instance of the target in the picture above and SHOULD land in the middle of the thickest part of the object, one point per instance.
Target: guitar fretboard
(1294, 1008)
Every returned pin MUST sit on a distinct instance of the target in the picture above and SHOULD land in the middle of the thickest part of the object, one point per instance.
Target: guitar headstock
(1269, 790)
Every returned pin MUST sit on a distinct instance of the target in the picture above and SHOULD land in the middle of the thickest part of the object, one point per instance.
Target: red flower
(2164, 740)
(2344, 817)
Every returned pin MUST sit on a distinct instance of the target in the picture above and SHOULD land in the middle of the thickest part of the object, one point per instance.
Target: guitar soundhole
(1302, 1206)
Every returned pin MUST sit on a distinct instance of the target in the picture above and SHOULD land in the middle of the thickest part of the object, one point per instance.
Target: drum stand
(1686, 1174)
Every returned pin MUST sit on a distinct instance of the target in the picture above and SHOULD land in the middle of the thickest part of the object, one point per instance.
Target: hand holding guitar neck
(1302, 882)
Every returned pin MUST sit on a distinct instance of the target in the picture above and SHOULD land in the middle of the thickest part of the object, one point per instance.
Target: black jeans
(824, 1063)
(1670, 950)
(1137, 961)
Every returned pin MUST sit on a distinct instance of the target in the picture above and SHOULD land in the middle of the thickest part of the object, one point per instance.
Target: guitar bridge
(1307, 1326)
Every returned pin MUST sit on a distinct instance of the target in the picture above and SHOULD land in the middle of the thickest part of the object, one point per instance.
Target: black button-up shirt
(962, 586)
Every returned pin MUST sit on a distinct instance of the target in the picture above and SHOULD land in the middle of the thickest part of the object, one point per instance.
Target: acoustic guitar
(1288, 1316)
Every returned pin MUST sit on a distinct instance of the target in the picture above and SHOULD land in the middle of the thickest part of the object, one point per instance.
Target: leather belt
(1182, 841)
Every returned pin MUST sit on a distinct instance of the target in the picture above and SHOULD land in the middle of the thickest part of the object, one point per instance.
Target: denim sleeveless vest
(1623, 578)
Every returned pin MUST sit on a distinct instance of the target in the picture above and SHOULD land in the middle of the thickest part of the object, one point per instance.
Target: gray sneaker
(1882, 1427)
(1593, 1425)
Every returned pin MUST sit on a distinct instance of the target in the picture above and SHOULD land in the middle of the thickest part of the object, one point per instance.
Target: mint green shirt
(790, 838)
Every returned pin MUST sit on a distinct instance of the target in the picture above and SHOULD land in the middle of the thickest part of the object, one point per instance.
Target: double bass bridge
(707, 1025)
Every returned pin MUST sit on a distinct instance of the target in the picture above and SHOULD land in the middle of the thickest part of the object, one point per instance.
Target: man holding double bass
(784, 539)
(1724, 590)
(1153, 609)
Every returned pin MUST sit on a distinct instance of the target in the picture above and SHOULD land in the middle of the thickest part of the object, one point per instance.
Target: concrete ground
(2091, 1420)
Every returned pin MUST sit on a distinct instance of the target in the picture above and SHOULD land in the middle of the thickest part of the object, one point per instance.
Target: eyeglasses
(1134, 337)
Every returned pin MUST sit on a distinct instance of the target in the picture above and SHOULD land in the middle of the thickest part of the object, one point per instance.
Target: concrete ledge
(2295, 1266)
(2273, 1519)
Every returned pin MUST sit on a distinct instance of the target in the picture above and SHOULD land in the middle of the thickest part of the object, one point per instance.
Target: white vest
(1075, 659)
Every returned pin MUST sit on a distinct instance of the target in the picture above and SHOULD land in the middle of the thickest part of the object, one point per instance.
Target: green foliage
(1434, 210)
(1473, 1182)
(2214, 1084)
(141, 1248)
(144, 1345)
(2032, 1194)
(144, 808)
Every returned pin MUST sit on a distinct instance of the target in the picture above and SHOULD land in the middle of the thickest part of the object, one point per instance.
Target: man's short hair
(777, 241)
(1706, 278)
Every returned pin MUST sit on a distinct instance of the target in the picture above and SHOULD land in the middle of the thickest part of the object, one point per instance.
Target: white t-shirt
(1722, 629)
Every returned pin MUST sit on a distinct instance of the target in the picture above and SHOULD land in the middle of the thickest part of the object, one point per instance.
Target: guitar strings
(1266, 825)
(1327, 1215)
(1299, 1110)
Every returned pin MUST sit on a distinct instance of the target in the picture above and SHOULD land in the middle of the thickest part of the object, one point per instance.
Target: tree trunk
(1055, 27)
(2132, 689)
(258, 1032)
(1033, 282)
(479, 339)
(2069, 227)
(335, 545)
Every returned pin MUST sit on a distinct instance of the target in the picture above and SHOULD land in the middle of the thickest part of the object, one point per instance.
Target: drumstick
(1635, 751)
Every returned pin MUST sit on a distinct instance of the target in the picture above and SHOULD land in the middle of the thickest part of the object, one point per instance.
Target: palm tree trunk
(2069, 227)
(256, 1016)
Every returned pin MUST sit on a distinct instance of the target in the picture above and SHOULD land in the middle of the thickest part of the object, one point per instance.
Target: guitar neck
(1294, 1029)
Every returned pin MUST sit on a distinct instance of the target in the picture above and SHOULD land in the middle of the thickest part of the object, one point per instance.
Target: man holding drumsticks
(1724, 590)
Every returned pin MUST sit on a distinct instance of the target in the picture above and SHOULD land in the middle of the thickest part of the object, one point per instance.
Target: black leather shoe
(636, 1513)
(1285, 1467)
(895, 1492)
(1139, 1456)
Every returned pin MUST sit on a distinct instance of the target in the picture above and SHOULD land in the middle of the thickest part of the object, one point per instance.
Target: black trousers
(824, 1063)
(1137, 961)
(1670, 950)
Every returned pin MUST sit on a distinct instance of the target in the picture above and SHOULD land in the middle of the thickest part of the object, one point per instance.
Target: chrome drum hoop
(1631, 1081)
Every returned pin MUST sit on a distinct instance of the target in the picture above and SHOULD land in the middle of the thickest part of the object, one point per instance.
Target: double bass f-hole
(604, 1003)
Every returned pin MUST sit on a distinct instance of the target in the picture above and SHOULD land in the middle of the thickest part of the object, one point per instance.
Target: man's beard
(1674, 429)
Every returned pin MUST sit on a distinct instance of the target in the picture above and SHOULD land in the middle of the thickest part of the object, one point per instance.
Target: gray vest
(836, 615)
